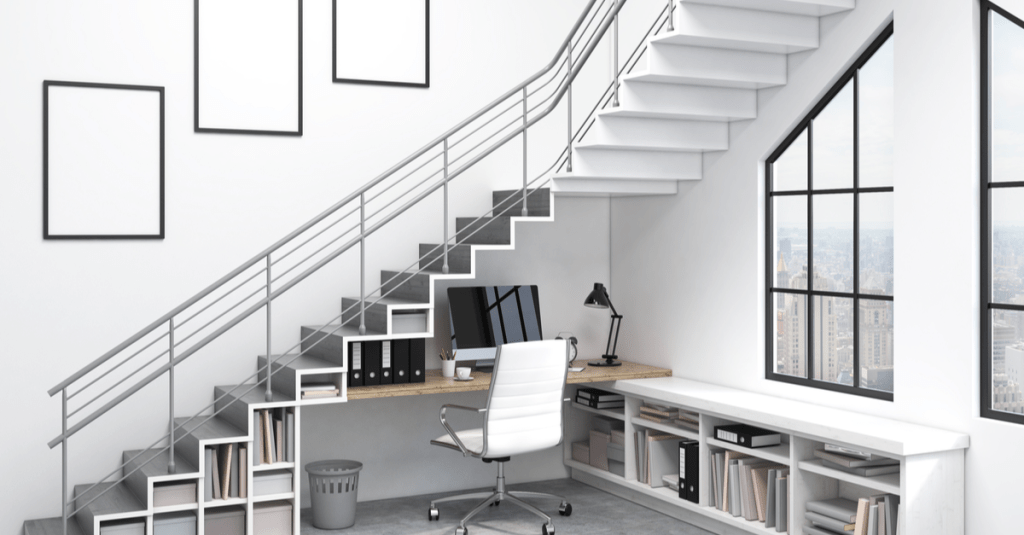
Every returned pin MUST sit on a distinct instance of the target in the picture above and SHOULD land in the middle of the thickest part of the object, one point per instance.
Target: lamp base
(609, 361)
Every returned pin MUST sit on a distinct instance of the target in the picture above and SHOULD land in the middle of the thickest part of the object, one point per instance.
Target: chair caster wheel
(547, 529)
(565, 509)
(461, 531)
(433, 514)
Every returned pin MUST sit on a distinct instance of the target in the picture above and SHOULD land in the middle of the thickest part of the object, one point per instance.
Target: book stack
(320, 390)
(875, 515)
(600, 399)
(661, 414)
(657, 455)
(226, 469)
(752, 488)
(274, 438)
(687, 420)
(856, 462)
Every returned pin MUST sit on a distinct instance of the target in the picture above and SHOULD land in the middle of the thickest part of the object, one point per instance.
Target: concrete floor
(594, 512)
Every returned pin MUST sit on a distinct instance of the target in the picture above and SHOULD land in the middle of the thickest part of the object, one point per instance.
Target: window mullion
(809, 325)
(856, 229)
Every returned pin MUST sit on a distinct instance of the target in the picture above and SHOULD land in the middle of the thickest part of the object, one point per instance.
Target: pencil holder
(448, 368)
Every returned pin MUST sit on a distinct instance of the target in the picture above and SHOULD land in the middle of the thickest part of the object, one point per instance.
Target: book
(257, 439)
(659, 411)
(671, 481)
(714, 480)
(234, 471)
(853, 462)
(661, 457)
(873, 520)
(595, 403)
(315, 394)
(727, 497)
(861, 525)
(769, 511)
(289, 424)
(892, 514)
(720, 477)
(318, 387)
(243, 471)
(618, 437)
(759, 476)
(734, 488)
(268, 443)
(654, 418)
(685, 424)
(279, 439)
(598, 394)
(226, 451)
(866, 471)
(850, 452)
(747, 435)
(782, 504)
(216, 473)
(208, 479)
(837, 508)
(817, 530)
(821, 520)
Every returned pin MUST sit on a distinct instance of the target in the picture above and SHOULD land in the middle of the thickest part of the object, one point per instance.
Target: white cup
(447, 368)
(463, 372)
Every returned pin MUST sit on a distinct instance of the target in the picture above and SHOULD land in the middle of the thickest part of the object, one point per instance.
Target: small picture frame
(382, 43)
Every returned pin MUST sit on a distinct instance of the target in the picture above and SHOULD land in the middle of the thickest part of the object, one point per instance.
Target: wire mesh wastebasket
(332, 490)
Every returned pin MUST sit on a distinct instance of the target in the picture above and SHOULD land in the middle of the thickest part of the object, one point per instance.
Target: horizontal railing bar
(448, 134)
(315, 236)
(181, 324)
(115, 385)
(116, 366)
(221, 315)
(122, 478)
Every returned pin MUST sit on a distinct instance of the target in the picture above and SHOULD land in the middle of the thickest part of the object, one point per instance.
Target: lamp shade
(598, 298)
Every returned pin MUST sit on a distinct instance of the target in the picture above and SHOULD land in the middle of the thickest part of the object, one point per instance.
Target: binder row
(385, 362)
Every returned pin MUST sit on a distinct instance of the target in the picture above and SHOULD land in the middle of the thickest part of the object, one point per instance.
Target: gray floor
(594, 512)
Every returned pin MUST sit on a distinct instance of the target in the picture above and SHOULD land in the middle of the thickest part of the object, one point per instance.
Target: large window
(1002, 213)
(829, 265)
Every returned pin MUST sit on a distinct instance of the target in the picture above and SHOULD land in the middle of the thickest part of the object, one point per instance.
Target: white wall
(227, 197)
(705, 245)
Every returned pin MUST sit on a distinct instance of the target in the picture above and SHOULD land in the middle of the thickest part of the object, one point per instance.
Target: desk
(435, 384)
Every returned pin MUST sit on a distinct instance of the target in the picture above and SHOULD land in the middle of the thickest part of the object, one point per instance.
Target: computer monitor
(484, 317)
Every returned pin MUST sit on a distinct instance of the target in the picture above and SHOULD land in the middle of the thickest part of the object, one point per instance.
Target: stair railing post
(671, 9)
(362, 263)
(64, 461)
(568, 94)
(444, 266)
(615, 61)
(268, 395)
(170, 416)
(524, 211)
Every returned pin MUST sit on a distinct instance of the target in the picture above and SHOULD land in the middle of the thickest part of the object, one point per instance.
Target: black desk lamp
(599, 299)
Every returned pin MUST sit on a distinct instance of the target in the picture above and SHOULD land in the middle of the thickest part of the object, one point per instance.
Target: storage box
(224, 521)
(177, 493)
(617, 453)
(276, 482)
(599, 449)
(180, 523)
(581, 452)
(135, 526)
(272, 518)
(617, 468)
(618, 437)
(606, 425)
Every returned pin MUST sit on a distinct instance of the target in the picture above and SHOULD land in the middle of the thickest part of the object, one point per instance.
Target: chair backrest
(524, 405)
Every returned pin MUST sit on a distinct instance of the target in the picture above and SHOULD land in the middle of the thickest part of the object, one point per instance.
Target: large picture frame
(248, 67)
(103, 161)
(364, 54)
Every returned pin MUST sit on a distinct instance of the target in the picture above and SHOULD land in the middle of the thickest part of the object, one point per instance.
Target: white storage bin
(180, 523)
(272, 518)
(177, 493)
(224, 521)
(273, 482)
(135, 526)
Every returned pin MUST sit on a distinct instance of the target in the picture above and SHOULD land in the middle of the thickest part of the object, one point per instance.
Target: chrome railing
(257, 283)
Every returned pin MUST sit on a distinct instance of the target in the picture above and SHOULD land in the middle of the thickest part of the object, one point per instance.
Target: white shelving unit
(930, 482)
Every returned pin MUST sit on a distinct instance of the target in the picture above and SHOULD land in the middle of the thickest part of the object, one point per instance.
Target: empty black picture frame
(47, 168)
(223, 129)
(370, 47)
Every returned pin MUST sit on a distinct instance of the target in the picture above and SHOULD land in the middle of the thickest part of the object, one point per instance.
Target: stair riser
(742, 29)
(666, 134)
(695, 102)
(712, 66)
(329, 347)
(816, 8)
(459, 258)
(231, 409)
(406, 285)
(376, 314)
(638, 164)
(284, 377)
(538, 203)
(487, 231)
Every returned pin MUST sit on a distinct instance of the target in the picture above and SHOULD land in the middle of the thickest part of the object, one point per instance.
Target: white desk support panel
(930, 482)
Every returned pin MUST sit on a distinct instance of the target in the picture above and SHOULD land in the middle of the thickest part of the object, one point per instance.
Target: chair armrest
(567, 399)
(448, 428)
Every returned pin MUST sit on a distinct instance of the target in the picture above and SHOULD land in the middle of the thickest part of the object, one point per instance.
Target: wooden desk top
(435, 384)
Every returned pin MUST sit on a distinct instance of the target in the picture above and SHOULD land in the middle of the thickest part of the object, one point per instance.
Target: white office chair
(523, 414)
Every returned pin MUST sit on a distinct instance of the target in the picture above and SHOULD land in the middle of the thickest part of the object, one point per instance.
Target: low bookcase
(930, 482)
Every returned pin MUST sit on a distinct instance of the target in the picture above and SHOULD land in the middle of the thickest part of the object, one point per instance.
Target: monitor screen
(484, 317)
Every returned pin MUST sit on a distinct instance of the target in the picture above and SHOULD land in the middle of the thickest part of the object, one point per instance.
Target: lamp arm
(617, 327)
(610, 304)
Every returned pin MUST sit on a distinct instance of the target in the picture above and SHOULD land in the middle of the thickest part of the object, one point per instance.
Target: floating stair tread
(346, 331)
(51, 526)
(301, 362)
(388, 301)
(735, 82)
(253, 396)
(816, 8)
(118, 500)
(649, 147)
(587, 186)
(156, 463)
(206, 428)
(594, 176)
(656, 114)
(733, 44)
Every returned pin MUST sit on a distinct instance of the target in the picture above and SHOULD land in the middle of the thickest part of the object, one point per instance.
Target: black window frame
(806, 125)
(987, 306)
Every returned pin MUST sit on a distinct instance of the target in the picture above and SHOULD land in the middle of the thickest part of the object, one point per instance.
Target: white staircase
(700, 77)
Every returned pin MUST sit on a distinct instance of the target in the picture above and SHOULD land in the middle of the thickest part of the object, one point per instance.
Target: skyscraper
(791, 352)
(781, 279)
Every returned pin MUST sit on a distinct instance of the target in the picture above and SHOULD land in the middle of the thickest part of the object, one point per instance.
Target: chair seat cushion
(473, 439)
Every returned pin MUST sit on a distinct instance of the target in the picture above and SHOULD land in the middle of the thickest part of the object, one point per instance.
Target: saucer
(457, 378)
